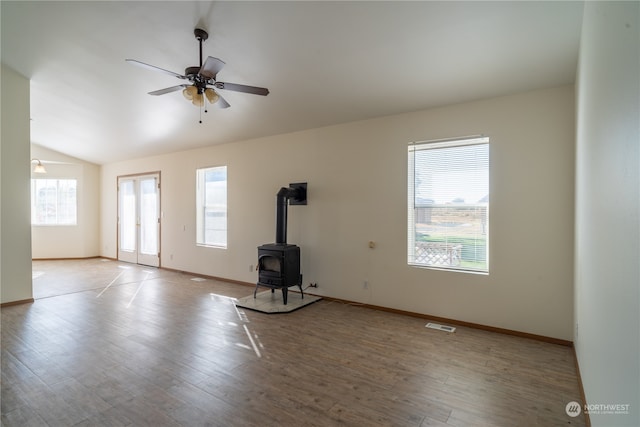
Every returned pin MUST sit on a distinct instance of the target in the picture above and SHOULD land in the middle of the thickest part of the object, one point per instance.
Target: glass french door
(139, 219)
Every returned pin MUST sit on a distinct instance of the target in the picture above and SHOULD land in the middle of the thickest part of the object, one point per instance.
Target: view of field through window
(449, 204)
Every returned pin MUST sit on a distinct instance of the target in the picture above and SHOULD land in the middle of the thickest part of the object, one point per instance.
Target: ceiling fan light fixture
(39, 168)
(198, 100)
(211, 95)
(189, 92)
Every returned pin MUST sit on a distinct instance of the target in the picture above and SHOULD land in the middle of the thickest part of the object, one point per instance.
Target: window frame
(446, 248)
(35, 201)
(202, 208)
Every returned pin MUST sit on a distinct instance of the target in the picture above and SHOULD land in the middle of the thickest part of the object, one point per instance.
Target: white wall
(73, 241)
(15, 222)
(607, 285)
(357, 176)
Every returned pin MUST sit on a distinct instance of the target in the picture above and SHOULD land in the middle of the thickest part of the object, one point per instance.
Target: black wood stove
(279, 262)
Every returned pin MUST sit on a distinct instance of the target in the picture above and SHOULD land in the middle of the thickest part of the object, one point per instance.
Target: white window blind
(54, 202)
(211, 206)
(448, 204)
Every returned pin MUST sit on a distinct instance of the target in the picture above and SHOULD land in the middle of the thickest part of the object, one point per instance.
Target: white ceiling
(324, 62)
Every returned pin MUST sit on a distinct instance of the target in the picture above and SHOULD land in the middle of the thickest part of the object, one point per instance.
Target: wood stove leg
(301, 291)
(284, 295)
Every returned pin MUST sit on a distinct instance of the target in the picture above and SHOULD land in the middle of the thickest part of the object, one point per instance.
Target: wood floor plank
(23, 416)
(114, 344)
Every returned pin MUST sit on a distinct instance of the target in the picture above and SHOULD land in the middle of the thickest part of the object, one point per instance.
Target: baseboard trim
(581, 389)
(439, 319)
(520, 334)
(19, 302)
(67, 258)
(206, 276)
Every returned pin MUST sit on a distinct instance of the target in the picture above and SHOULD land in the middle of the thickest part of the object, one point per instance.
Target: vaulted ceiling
(324, 63)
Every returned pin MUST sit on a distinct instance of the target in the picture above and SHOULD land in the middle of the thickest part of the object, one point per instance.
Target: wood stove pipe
(297, 192)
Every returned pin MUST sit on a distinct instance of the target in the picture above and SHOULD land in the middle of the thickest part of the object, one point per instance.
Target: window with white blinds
(211, 206)
(54, 202)
(448, 204)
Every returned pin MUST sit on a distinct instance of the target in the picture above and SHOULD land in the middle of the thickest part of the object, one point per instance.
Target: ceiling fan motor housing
(191, 71)
(201, 34)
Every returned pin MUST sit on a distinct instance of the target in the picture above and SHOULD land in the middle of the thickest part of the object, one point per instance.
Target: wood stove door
(270, 264)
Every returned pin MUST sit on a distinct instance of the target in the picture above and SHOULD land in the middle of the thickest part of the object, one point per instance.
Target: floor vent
(440, 327)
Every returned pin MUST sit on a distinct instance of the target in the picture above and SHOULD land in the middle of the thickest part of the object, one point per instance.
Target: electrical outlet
(365, 284)
(250, 267)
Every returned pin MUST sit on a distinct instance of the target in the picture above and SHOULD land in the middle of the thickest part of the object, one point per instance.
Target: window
(448, 204)
(211, 206)
(53, 202)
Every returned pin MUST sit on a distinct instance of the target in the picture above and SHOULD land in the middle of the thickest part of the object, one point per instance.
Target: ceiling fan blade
(242, 88)
(154, 68)
(211, 67)
(221, 102)
(168, 90)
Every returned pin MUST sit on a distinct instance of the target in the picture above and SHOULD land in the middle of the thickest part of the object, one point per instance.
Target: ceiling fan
(200, 81)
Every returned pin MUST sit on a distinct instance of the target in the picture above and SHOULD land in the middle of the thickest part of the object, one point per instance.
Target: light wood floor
(128, 345)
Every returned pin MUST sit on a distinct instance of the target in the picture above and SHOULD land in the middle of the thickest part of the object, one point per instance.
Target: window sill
(449, 269)
(202, 245)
